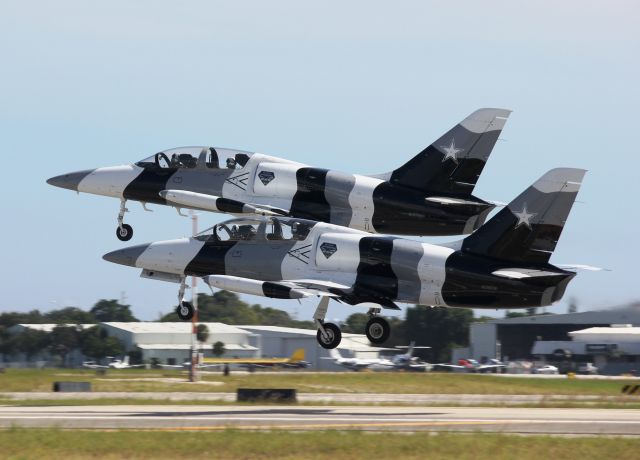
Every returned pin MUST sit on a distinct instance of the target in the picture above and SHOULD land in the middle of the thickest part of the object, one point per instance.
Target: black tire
(185, 311)
(377, 330)
(125, 233)
(334, 336)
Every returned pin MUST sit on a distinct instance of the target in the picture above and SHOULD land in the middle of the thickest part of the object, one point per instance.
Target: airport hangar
(537, 337)
(170, 342)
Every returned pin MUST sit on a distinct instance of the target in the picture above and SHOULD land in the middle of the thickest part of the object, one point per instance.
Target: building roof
(187, 346)
(608, 331)
(629, 314)
(50, 327)
(181, 327)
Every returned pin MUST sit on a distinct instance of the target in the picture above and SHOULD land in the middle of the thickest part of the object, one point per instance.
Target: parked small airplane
(358, 364)
(408, 362)
(471, 365)
(503, 264)
(404, 361)
(113, 364)
(429, 195)
(296, 360)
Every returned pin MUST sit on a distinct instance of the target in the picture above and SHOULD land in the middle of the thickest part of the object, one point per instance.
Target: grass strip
(20, 443)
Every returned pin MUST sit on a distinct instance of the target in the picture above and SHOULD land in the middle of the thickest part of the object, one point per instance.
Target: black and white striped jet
(503, 264)
(429, 195)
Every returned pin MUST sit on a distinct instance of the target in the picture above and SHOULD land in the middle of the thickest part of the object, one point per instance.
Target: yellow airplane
(295, 360)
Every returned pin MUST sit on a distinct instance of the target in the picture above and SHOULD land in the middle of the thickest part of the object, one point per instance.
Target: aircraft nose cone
(126, 256)
(69, 181)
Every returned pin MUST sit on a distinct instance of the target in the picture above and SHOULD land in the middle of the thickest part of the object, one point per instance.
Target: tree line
(440, 328)
(67, 336)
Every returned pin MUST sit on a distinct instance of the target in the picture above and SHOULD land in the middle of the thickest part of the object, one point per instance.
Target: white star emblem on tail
(524, 217)
(450, 151)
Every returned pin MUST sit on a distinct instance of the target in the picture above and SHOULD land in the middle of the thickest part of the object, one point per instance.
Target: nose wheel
(124, 232)
(329, 335)
(185, 311)
(377, 329)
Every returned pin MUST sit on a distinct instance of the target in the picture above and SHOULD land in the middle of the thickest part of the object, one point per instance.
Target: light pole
(193, 373)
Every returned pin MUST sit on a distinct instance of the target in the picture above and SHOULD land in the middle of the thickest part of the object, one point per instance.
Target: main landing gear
(329, 335)
(377, 328)
(124, 232)
(185, 309)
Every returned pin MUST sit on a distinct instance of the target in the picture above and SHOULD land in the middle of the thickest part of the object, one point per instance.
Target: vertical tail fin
(528, 229)
(453, 163)
(335, 354)
(410, 348)
(297, 355)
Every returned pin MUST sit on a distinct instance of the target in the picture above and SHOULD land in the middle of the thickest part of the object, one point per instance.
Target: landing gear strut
(377, 328)
(329, 335)
(185, 309)
(124, 232)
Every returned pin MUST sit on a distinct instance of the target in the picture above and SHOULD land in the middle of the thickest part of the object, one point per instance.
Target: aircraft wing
(287, 289)
(451, 366)
(94, 366)
(206, 202)
(489, 366)
(316, 287)
(172, 366)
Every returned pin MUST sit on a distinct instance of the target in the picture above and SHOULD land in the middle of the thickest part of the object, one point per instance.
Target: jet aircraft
(113, 364)
(503, 264)
(431, 194)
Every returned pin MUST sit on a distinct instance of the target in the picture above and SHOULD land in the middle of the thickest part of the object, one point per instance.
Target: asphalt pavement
(292, 417)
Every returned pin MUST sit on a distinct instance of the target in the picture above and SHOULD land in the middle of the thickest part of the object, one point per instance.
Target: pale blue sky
(356, 86)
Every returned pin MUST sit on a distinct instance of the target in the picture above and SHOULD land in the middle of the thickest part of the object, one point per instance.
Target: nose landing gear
(185, 309)
(329, 335)
(124, 232)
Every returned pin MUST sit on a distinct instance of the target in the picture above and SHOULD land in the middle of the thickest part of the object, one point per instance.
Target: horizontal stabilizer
(590, 268)
(455, 201)
(519, 273)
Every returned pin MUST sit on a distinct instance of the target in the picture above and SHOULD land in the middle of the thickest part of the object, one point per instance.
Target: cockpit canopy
(258, 229)
(197, 157)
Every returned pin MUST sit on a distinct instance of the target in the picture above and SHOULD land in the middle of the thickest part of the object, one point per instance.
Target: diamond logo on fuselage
(266, 177)
(328, 249)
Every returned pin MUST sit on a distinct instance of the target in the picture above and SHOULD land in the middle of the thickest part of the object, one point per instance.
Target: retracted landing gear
(377, 328)
(329, 335)
(185, 309)
(124, 232)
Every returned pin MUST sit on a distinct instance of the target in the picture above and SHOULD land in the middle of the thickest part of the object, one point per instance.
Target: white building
(613, 350)
(513, 338)
(170, 343)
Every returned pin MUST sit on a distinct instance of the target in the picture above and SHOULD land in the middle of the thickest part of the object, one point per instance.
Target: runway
(370, 418)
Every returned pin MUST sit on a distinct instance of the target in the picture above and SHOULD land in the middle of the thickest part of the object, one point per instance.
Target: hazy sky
(355, 86)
